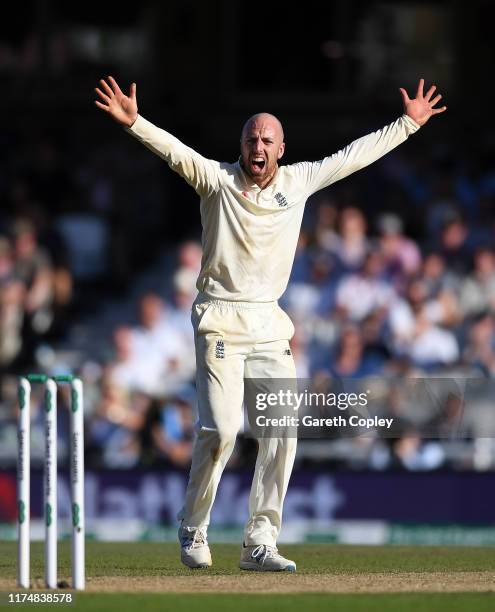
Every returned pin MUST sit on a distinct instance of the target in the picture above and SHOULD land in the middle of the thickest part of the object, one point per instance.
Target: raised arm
(201, 173)
(366, 150)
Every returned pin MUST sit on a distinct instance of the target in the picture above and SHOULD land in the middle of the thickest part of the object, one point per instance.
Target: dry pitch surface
(401, 582)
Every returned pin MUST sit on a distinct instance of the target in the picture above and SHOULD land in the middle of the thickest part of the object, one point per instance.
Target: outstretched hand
(113, 101)
(420, 109)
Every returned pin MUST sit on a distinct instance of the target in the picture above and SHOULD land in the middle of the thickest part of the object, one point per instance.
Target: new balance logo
(281, 199)
(220, 350)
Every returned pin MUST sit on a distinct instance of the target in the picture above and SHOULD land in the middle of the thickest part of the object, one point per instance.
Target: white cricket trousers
(237, 340)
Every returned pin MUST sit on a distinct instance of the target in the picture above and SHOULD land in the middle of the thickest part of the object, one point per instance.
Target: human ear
(281, 150)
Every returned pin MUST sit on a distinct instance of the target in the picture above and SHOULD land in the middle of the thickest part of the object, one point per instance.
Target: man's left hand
(420, 109)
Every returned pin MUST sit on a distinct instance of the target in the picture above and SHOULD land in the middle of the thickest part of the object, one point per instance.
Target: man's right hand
(120, 107)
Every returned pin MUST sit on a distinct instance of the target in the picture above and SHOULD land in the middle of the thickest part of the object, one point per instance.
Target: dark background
(331, 71)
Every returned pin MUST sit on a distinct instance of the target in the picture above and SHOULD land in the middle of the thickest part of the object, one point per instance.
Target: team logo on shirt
(281, 199)
(220, 349)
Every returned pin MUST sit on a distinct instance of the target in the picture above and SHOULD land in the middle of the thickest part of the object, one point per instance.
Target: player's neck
(261, 182)
(265, 182)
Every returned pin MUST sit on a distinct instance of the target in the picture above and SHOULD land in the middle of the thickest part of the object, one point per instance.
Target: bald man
(251, 212)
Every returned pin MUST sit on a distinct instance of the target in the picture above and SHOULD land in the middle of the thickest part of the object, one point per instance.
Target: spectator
(172, 431)
(415, 329)
(402, 257)
(124, 369)
(478, 289)
(33, 267)
(12, 294)
(351, 361)
(368, 286)
(352, 246)
(455, 246)
(114, 434)
(480, 349)
(158, 349)
(437, 276)
(326, 234)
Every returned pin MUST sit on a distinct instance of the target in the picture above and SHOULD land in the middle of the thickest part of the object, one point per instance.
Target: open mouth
(257, 164)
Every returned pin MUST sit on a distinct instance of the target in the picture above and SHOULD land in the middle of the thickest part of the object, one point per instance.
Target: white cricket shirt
(250, 234)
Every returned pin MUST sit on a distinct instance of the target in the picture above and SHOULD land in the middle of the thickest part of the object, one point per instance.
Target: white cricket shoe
(195, 552)
(263, 558)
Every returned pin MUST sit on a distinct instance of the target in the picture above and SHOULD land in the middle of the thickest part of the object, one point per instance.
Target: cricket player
(251, 213)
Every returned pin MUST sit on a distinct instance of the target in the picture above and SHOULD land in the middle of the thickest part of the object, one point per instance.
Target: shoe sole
(255, 567)
(196, 565)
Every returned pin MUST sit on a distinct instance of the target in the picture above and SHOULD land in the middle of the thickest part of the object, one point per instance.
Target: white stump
(23, 483)
(50, 484)
(77, 483)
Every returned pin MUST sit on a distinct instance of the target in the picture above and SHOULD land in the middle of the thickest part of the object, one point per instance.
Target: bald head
(262, 145)
(265, 119)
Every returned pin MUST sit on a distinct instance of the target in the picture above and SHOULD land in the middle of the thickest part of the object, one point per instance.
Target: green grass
(310, 602)
(156, 559)
(162, 559)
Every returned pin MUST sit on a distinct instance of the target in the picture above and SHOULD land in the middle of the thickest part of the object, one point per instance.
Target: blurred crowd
(394, 277)
(377, 303)
(35, 292)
